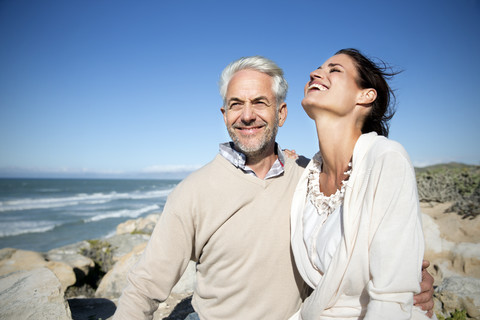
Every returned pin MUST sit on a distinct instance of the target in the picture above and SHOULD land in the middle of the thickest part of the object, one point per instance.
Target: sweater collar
(239, 159)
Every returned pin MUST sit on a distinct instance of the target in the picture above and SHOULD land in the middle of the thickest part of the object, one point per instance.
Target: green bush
(101, 252)
(456, 183)
(457, 315)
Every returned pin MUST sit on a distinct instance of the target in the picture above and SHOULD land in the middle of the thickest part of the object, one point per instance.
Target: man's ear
(367, 96)
(224, 112)
(282, 114)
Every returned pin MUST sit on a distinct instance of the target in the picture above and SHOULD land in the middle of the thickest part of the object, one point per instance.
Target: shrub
(455, 183)
(457, 315)
(101, 252)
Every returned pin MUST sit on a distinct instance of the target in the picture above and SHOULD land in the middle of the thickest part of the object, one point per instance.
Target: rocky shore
(84, 280)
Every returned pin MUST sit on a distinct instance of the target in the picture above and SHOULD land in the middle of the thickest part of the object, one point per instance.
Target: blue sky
(125, 88)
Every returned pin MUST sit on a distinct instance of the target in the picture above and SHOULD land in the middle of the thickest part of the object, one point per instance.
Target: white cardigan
(377, 267)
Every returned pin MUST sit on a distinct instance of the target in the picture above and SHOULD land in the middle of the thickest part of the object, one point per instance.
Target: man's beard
(260, 148)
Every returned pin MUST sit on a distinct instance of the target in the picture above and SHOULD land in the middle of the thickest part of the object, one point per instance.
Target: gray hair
(260, 64)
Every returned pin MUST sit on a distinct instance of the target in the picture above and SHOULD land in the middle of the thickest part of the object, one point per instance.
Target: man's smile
(248, 130)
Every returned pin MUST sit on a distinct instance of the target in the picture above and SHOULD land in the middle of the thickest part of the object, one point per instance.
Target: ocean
(42, 214)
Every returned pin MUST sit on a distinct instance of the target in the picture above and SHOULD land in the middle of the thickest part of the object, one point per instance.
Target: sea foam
(21, 227)
(82, 198)
(122, 213)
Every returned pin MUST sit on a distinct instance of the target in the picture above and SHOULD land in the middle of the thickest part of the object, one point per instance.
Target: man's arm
(424, 299)
(162, 263)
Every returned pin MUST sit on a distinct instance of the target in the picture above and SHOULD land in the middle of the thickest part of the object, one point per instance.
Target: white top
(321, 239)
(322, 222)
(377, 267)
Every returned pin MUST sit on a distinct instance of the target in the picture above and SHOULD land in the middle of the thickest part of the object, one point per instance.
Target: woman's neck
(336, 139)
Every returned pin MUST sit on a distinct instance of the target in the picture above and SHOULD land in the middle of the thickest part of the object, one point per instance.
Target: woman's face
(332, 87)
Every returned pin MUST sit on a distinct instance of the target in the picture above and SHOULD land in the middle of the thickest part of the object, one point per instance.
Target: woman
(356, 227)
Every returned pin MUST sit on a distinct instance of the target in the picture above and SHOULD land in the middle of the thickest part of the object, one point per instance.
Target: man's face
(251, 114)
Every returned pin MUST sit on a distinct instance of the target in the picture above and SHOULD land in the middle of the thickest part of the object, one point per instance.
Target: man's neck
(262, 163)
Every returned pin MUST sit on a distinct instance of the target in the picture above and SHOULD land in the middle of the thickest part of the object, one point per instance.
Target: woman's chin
(310, 112)
(312, 107)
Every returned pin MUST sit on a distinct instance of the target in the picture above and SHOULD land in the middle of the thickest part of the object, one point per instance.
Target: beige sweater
(377, 267)
(236, 227)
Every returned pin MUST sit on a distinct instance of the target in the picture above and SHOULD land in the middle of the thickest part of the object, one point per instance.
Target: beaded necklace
(324, 204)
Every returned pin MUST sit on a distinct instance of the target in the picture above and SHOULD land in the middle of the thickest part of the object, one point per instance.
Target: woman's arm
(396, 238)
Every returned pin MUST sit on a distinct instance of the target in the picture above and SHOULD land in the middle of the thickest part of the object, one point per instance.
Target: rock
(6, 253)
(453, 227)
(141, 225)
(16, 260)
(115, 280)
(32, 295)
(107, 251)
(177, 307)
(71, 255)
(186, 284)
(458, 293)
(64, 273)
(147, 224)
(124, 243)
(126, 227)
(22, 260)
(449, 257)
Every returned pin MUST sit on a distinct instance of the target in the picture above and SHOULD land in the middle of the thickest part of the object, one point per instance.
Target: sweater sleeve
(160, 267)
(396, 238)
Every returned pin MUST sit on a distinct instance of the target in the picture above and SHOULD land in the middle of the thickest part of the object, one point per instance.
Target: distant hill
(447, 166)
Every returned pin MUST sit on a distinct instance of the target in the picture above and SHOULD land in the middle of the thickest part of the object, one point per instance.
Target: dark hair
(375, 75)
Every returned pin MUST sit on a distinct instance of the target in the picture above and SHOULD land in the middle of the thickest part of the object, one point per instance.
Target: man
(231, 216)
